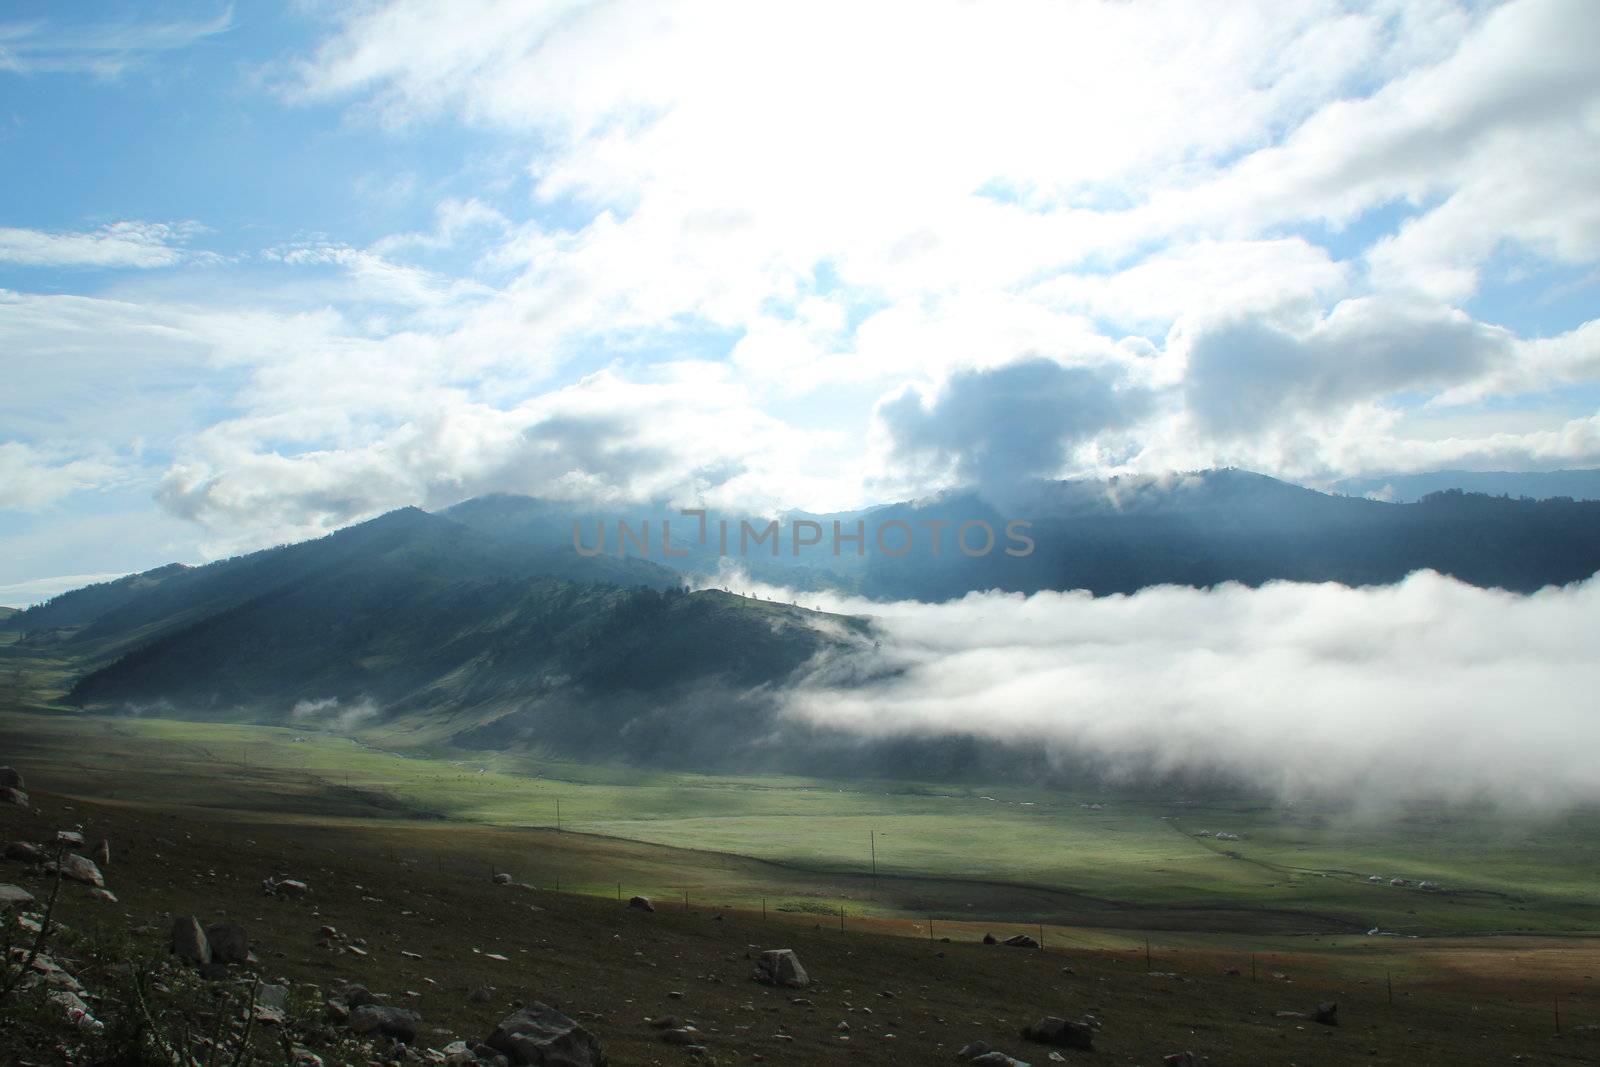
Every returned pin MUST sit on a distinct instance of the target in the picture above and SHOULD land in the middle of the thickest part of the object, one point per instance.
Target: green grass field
(1028, 855)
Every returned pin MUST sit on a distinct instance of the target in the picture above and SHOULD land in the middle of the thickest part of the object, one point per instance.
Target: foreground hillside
(428, 930)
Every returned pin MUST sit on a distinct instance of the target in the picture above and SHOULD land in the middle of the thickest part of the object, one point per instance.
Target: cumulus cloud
(1426, 688)
(998, 426)
(1250, 374)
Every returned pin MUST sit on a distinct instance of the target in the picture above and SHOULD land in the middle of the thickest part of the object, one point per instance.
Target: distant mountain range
(483, 626)
(1536, 485)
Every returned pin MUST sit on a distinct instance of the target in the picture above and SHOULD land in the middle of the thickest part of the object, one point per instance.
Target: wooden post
(558, 815)
(763, 909)
(930, 928)
(1147, 954)
(619, 890)
(841, 918)
(685, 900)
(1041, 935)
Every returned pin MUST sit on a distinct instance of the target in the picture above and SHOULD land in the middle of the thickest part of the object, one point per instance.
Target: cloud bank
(1428, 688)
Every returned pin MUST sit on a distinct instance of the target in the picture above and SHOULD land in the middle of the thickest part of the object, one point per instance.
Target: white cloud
(104, 49)
(117, 244)
(32, 479)
(1374, 694)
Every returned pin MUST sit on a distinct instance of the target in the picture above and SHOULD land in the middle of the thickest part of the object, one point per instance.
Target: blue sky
(266, 271)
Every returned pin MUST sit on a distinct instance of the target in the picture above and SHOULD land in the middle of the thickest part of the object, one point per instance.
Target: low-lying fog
(1429, 687)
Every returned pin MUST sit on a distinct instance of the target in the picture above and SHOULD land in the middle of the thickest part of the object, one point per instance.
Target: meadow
(890, 849)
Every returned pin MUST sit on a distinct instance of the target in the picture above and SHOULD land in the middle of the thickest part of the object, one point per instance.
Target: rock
(14, 896)
(1183, 1059)
(642, 903)
(781, 967)
(70, 838)
(973, 1050)
(284, 887)
(272, 996)
(398, 1023)
(1056, 1031)
(189, 940)
(667, 1022)
(12, 795)
(1325, 1013)
(77, 1011)
(357, 996)
(11, 778)
(102, 853)
(104, 896)
(481, 995)
(538, 1034)
(23, 852)
(997, 1059)
(338, 1010)
(229, 943)
(79, 869)
(680, 1036)
(214, 972)
(989, 939)
(459, 1054)
(1021, 941)
(502, 879)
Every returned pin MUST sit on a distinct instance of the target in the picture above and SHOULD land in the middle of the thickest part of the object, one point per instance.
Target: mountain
(1536, 485)
(483, 626)
(1117, 535)
(418, 623)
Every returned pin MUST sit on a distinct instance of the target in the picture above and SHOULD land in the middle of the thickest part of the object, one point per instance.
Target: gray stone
(11, 777)
(23, 852)
(80, 869)
(102, 854)
(997, 1059)
(781, 967)
(642, 903)
(229, 943)
(14, 896)
(1055, 1031)
(1326, 1013)
(357, 996)
(398, 1023)
(13, 795)
(1020, 941)
(538, 1034)
(189, 940)
(502, 879)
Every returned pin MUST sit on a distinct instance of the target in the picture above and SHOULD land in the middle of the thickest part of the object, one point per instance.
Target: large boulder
(1326, 1013)
(780, 966)
(10, 776)
(538, 1034)
(12, 795)
(80, 869)
(229, 943)
(1063, 1032)
(14, 896)
(189, 940)
(1021, 941)
(398, 1023)
(642, 903)
(24, 852)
